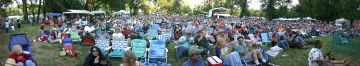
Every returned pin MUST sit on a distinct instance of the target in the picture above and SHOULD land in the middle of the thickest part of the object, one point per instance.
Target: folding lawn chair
(119, 48)
(157, 50)
(103, 45)
(138, 46)
(265, 38)
(74, 35)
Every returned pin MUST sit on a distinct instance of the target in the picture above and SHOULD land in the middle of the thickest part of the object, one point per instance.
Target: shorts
(248, 57)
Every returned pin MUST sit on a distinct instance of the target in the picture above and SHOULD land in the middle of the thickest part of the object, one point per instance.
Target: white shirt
(84, 22)
(7, 24)
(118, 36)
(315, 54)
(89, 28)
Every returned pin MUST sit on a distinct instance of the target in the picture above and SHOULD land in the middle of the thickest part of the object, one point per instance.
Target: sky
(256, 4)
(253, 4)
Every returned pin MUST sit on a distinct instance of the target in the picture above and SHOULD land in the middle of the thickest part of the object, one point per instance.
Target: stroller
(21, 39)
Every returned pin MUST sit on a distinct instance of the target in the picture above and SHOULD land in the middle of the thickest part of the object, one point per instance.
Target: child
(68, 48)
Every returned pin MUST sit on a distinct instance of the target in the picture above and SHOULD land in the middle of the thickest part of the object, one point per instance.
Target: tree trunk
(32, 10)
(38, 14)
(44, 9)
(25, 11)
(243, 8)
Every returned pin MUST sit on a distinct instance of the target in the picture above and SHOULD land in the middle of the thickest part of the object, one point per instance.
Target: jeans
(27, 63)
(205, 49)
(180, 50)
(298, 40)
(7, 30)
(283, 44)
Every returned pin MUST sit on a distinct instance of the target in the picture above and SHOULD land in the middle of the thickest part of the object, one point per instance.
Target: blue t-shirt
(198, 63)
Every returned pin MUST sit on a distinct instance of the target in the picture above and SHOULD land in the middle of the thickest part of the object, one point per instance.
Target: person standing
(18, 23)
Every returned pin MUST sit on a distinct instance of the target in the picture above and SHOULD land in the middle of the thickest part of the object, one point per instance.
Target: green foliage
(329, 10)
(3, 4)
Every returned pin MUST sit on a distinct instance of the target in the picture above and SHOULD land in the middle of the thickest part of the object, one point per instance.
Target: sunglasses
(94, 51)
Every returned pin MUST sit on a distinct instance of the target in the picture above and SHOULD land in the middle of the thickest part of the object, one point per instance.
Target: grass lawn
(46, 54)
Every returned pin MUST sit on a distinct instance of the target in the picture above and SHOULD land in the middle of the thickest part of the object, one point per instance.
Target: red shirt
(19, 57)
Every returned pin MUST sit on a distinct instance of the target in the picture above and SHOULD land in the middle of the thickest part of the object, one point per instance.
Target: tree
(269, 9)
(176, 7)
(329, 10)
(25, 11)
(3, 5)
(244, 10)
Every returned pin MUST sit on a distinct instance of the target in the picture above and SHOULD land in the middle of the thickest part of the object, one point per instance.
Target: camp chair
(119, 48)
(338, 39)
(155, 26)
(74, 35)
(158, 49)
(152, 33)
(138, 46)
(103, 45)
(252, 37)
(21, 39)
(265, 38)
(162, 37)
(87, 40)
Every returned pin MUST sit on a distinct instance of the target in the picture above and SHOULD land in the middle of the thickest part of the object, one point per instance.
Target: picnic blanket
(274, 51)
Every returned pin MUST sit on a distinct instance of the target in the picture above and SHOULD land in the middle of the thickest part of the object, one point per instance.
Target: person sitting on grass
(103, 35)
(42, 35)
(222, 49)
(96, 58)
(20, 57)
(89, 29)
(316, 57)
(183, 44)
(118, 35)
(194, 58)
(298, 41)
(130, 59)
(248, 51)
(135, 35)
(54, 37)
(202, 42)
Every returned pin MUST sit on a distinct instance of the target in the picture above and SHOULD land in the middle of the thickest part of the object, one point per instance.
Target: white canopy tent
(342, 21)
(14, 17)
(77, 12)
(122, 12)
(308, 18)
(286, 19)
(219, 8)
(97, 12)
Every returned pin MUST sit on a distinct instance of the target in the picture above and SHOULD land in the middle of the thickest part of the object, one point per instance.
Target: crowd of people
(235, 40)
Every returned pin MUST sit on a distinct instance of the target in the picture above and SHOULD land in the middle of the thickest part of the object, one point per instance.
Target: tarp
(54, 14)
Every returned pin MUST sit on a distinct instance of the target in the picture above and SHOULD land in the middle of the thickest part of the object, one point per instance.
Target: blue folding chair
(152, 33)
(138, 46)
(162, 37)
(265, 38)
(119, 48)
(103, 45)
(157, 50)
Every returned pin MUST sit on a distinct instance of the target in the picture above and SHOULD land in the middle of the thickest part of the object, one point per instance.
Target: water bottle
(208, 53)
